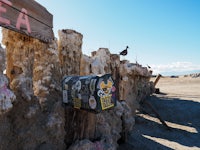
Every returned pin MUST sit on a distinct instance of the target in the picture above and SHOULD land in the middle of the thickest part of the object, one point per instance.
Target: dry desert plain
(179, 105)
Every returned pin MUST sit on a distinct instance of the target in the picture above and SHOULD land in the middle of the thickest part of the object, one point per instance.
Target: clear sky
(164, 34)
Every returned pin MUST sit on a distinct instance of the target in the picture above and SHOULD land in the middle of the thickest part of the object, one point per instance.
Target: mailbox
(92, 93)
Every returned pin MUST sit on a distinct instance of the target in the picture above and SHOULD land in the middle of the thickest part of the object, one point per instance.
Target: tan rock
(70, 53)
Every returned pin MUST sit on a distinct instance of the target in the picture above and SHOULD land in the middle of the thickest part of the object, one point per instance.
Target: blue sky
(164, 34)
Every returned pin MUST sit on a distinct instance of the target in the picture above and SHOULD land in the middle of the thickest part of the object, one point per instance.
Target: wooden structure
(27, 17)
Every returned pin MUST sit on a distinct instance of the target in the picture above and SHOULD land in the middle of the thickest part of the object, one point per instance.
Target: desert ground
(178, 103)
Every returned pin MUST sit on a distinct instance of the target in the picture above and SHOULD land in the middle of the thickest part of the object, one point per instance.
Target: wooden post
(157, 79)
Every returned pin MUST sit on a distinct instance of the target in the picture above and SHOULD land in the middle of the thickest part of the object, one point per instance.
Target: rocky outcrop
(133, 86)
(46, 71)
(7, 97)
(38, 119)
(20, 59)
(2, 60)
(70, 51)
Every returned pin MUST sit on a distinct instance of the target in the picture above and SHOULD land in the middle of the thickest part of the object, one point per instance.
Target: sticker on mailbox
(105, 93)
(106, 102)
(65, 96)
(92, 102)
(77, 103)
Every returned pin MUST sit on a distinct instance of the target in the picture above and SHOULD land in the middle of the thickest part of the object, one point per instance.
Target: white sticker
(78, 85)
(92, 85)
(67, 79)
(65, 96)
(92, 102)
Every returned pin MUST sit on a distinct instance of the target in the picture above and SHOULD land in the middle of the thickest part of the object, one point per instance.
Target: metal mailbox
(92, 93)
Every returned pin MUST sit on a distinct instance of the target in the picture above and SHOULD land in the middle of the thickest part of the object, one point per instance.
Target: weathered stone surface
(2, 59)
(83, 145)
(7, 97)
(70, 52)
(88, 145)
(20, 58)
(134, 85)
(46, 72)
(85, 66)
(39, 120)
(132, 82)
(101, 61)
(36, 120)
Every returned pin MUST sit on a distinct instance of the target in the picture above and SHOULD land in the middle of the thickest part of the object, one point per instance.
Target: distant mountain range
(179, 73)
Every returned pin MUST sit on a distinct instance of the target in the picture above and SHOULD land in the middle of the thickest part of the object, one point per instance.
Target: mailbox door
(106, 92)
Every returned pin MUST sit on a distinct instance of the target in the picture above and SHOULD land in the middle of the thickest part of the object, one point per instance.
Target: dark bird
(124, 52)
(148, 66)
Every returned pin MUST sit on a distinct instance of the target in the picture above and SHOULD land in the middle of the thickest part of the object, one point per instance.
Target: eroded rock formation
(7, 97)
(133, 86)
(70, 51)
(39, 120)
(36, 120)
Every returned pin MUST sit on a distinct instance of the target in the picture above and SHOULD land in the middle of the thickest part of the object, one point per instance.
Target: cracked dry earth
(179, 105)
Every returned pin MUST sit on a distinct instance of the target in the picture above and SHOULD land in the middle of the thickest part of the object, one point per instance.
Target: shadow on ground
(182, 115)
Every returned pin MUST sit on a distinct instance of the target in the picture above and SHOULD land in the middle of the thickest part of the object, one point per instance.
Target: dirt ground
(179, 105)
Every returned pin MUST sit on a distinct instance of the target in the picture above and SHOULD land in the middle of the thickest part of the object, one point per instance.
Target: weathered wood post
(27, 17)
(157, 79)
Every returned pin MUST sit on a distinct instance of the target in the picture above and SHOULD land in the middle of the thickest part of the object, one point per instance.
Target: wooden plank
(27, 17)
(157, 79)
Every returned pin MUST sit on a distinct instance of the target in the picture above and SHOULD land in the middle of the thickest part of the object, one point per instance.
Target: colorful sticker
(113, 89)
(105, 93)
(100, 93)
(106, 102)
(66, 87)
(105, 88)
(77, 103)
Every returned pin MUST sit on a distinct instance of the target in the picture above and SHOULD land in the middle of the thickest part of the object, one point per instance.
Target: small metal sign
(92, 93)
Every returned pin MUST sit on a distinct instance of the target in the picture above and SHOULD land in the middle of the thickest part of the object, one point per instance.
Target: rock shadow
(182, 112)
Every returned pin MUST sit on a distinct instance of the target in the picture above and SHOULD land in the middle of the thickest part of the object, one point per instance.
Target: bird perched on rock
(124, 52)
(148, 66)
